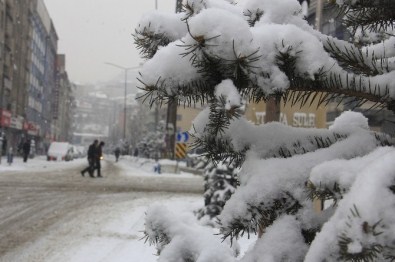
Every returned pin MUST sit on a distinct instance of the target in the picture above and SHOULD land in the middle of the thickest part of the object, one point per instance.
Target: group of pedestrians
(23, 148)
(95, 154)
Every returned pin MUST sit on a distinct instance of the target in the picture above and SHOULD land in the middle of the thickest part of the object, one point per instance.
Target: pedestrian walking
(91, 159)
(26, 150)
(98, 158)
(10, 156)
(117, 152)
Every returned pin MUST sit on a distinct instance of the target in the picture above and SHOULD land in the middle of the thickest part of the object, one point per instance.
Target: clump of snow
(228, 90)
(283, 241)
(200, 122)
(158, 22)
(350, 119)
(344, 172)
(185, 238)
(278, 12)
(225, 34)
(200, 5)
(157, 72)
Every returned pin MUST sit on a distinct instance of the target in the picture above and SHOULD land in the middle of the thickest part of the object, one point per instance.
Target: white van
(60, 151)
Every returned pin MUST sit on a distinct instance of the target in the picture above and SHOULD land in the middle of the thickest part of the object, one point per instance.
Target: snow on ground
(38, 163)
(110, 232)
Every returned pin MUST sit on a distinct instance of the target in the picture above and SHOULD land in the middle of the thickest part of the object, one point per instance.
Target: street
(44, 214)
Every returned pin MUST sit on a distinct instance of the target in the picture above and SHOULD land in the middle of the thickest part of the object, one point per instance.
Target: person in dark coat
(117, 152)
(98, 158)
(91, 159)
(26, 150)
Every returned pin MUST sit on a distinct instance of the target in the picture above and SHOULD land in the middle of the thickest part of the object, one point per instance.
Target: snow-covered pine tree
(153, 142)
(220, 182)
(221, 53)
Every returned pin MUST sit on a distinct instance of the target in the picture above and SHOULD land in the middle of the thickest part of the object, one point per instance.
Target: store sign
(5, 118)
(32, 128)
(303, 119)
(17, 122)
(299, 119)
(260, 116)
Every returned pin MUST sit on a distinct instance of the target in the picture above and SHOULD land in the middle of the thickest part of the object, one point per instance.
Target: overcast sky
(92, 32)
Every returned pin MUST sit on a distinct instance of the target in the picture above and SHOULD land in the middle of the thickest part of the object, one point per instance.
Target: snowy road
(58, 215)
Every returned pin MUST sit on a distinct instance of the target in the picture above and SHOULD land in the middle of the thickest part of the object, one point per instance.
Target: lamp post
(126, 69)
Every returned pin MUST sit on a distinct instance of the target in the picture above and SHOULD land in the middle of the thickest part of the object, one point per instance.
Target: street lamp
(126, 69)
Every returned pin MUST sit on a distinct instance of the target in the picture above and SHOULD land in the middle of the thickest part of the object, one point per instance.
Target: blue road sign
(182, 137)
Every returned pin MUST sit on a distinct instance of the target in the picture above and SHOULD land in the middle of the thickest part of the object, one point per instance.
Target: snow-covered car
(60, 151)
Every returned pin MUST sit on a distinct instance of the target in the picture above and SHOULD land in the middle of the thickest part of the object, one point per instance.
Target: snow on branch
(180, 238)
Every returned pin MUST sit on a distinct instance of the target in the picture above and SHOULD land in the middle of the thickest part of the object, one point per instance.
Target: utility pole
(125, 69)
(318, 15)
(171, 121)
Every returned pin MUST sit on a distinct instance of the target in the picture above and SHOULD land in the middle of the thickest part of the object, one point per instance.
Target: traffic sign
(181, 150)
(182, 137)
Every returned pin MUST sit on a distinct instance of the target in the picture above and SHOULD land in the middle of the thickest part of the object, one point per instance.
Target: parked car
(60, 151)
(79, 152)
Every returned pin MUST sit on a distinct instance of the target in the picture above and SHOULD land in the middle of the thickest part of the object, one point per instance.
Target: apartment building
(62, 102)
(15, 39)
(28, 71)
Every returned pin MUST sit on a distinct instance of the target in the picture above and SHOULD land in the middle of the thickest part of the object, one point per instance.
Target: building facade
(62, 102)
(28, 71)
(15, 39)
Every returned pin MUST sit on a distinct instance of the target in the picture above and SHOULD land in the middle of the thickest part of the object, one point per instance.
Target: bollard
(157, 168)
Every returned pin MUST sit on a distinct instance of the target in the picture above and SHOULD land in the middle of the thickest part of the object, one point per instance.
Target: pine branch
(260, 216)
(352, 59)
(253, 16)
(148, 42)
(369, 251)
(192, 93)
(371, 15)
(219, 149)
(323, 193)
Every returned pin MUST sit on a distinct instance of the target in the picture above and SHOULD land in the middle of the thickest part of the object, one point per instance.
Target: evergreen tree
(153, 143)
(220, 182)
(219, 53)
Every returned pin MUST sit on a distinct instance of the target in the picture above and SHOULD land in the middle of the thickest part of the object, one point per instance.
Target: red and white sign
(32, 128)
(5, 118)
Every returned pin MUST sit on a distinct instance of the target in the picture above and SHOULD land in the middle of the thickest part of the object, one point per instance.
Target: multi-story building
(15, 38)
(21, 67)
(62, 102)
(28, 74)
(42, 77)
